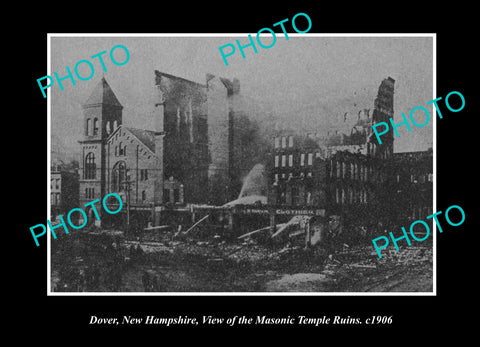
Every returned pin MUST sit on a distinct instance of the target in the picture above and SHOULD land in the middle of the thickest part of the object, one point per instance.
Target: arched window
(95, 126)
(115, 124)
(108, 128)
(120, 149)
(119, 175)
(144, 195)
(88, 127)
(90, 166)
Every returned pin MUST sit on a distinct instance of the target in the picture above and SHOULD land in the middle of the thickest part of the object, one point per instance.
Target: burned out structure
(203, 145)
(339, 167)
(191, 155)
(410, 179)
(233, 139)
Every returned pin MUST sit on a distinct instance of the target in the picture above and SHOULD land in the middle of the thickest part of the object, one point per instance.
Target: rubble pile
(409, 269)
(210, 263)
(407, 256)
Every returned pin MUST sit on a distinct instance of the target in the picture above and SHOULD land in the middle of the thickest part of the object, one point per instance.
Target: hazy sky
(296, 78)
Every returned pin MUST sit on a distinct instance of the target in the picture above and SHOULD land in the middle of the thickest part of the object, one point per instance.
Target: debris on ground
(300, 282)
(215, 263)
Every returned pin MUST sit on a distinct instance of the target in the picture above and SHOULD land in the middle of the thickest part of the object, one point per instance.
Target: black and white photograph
(275, 173)
(272, 174)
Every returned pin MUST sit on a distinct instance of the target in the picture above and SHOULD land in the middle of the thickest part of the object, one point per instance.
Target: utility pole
(127, 187)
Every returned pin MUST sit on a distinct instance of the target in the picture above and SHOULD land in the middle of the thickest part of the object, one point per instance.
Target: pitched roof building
(187, 158)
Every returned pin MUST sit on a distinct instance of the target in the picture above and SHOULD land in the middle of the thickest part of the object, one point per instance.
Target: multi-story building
(234, 141)
(63, 190)
(298, 172)
(188, 153)
(102, 115)
(340, 169)
(410, 179)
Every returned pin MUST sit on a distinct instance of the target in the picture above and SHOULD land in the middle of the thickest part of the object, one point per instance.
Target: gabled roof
(102, 95)
(146, 137)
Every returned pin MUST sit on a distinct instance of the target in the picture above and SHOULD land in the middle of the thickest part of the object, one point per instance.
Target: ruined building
(410, 183)
(340, 167)
(232, 139)
(189, 157)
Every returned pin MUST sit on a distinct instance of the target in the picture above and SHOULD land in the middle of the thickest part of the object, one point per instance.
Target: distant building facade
(63, 190)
